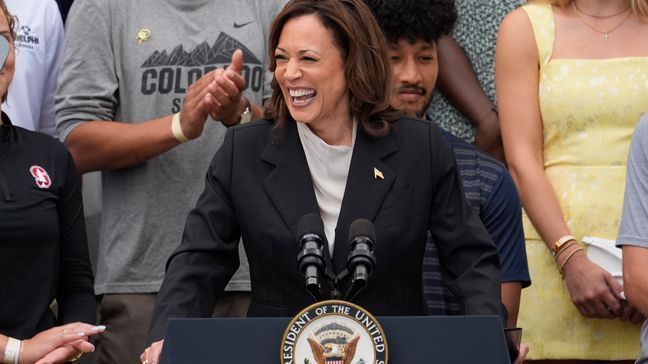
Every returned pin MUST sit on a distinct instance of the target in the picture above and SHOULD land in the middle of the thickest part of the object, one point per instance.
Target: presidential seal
(334, 332)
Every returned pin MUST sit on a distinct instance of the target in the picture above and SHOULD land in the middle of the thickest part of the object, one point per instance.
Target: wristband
(565, 248)
(12, 351)
(176, 129)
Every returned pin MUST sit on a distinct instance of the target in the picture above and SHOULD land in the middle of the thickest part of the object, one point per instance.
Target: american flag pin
(378, 174)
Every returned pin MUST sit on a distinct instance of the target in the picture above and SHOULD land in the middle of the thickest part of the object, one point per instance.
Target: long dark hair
(367, 68)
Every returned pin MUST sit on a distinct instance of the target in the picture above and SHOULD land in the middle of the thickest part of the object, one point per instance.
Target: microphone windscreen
(310, 224)
(362, 227)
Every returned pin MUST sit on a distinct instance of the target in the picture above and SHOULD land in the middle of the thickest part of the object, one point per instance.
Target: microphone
(361, 261)
(310, 259)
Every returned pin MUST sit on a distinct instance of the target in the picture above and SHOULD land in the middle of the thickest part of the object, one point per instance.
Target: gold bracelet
(76, 357)
(560, 243)
(566, 248)
(567, 259)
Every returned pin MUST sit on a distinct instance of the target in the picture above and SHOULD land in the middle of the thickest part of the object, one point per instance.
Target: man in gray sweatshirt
(146, 91)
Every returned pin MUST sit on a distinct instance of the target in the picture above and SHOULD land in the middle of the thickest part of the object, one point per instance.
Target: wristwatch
(247, 112)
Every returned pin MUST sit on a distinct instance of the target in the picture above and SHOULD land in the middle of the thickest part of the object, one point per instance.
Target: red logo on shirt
(40, 175)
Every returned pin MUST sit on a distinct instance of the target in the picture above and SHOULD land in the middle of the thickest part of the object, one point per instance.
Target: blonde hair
(639, 7)
(11, 20)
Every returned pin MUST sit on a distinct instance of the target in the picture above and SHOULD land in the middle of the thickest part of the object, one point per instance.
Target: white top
(39, 47)
(329, 169)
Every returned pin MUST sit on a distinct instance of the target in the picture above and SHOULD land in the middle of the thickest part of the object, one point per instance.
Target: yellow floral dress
(589, 110)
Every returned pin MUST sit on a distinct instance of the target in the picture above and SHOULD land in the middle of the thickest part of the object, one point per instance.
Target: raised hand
(226, 102)
(216, 94)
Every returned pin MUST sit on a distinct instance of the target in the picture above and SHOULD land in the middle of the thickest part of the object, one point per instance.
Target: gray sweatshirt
(113, 71)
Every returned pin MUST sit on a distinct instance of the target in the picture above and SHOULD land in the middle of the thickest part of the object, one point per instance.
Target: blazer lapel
(368, 183)
(289, 185)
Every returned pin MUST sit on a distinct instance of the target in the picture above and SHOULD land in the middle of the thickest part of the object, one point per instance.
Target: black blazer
(258, 186)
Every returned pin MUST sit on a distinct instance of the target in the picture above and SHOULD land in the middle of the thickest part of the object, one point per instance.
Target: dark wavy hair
(367, 68)
(414, 19)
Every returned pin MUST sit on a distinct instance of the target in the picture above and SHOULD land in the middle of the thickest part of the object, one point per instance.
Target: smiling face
(415, 73)
(310, 73)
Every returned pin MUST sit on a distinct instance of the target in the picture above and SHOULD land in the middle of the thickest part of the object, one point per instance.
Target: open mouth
(302, 96)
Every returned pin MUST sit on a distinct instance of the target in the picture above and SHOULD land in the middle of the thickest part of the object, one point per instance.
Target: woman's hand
(152, 354)
(592, 289)
(68, 353)
(59, 344)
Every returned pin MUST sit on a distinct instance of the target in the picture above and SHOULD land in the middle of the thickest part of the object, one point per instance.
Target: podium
(425, 339)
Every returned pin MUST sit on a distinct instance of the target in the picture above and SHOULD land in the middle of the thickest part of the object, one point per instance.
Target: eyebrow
(301, 51)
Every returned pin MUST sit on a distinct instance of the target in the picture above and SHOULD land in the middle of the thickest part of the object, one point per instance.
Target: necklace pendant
(606, 35)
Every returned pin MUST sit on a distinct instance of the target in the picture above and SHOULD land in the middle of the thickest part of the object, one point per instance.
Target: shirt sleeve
(88, 83)
(502, 217)
(634, 220)
(75, 297)
(468, 255)
(53, 26)
(207, 258)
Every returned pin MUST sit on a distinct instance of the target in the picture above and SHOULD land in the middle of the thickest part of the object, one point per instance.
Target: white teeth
(301, 92)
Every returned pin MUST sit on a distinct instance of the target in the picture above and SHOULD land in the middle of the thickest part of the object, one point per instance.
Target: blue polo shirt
(489, 188)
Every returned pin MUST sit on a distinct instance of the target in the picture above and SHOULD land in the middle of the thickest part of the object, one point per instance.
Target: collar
(6, 126)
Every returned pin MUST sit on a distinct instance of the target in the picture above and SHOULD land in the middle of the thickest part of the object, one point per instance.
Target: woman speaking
(330, 145)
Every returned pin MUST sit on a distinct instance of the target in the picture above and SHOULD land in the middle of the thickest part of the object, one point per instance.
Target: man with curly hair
(412, 29)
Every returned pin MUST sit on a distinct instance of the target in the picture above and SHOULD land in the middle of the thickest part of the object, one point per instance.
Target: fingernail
(81, 333)
(93, 349)
(99, 328)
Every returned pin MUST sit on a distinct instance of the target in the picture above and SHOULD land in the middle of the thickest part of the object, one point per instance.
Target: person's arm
(88, 96)
(592, 289)
(502, 217)
(469, 256)
(200, 268)
(511, 292)
(459, 84)
(44, 347)
(633, 232)
(75, 296)
(635, 261)
(99, 145)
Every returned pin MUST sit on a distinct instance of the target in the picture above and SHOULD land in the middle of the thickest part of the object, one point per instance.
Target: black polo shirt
(43, 243)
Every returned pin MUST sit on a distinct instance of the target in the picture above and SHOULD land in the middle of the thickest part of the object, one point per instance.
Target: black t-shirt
(43, 243)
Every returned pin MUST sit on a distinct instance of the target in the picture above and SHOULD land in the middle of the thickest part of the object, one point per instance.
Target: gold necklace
(599, 16)
(606, 33)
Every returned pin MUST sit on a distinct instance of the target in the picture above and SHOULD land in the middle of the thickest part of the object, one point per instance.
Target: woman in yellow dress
(572, 82)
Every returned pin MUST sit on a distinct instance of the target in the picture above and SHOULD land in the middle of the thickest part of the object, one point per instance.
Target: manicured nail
(99, 328)
(81, 333)
(93, 349)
